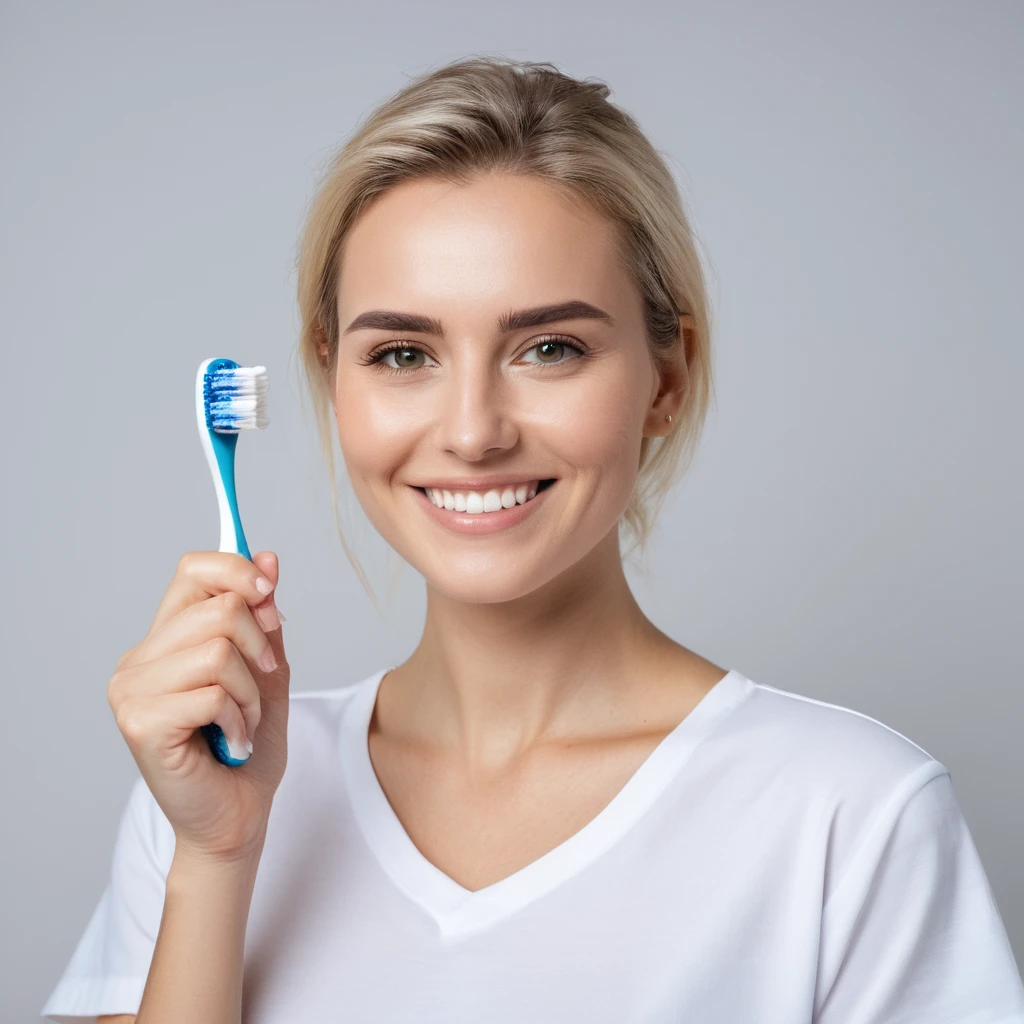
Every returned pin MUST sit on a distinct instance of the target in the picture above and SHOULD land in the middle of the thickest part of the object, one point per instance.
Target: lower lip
(480, 522)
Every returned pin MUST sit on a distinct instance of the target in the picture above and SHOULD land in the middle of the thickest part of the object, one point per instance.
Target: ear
(320, 338)
(323, 352)
(673, 380)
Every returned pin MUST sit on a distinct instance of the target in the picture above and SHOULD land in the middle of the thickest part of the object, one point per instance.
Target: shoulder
(835, 776)
(830, 745)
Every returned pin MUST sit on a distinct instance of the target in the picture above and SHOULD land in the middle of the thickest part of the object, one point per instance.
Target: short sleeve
(108, 969)
(912, 934)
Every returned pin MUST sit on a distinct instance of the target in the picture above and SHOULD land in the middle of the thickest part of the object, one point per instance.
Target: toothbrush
(229, 398)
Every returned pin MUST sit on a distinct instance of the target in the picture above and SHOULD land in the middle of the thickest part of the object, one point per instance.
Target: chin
(491, 588)
(488, 581)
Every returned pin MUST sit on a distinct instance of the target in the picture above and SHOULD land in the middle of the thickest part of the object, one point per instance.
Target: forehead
(500, 238)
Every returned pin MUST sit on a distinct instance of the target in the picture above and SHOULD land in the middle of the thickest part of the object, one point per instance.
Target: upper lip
(481, 483)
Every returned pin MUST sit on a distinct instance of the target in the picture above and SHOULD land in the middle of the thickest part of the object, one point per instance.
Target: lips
(476, 501)
(482, 522)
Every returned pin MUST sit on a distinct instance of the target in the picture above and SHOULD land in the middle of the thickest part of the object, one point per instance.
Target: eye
(402, 356)
(405, 356)
(550, 351)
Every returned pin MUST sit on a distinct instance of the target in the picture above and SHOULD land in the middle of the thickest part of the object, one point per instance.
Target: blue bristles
(235, 398)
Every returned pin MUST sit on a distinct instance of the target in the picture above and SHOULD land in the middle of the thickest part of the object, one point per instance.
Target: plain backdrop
(849, 531)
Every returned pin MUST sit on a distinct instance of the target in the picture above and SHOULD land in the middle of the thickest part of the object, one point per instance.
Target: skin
(214, 652)
(538, 686)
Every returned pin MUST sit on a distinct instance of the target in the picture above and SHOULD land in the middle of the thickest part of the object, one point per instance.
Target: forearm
(196, 971)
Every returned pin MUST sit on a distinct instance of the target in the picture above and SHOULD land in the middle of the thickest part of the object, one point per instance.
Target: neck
(490, 680)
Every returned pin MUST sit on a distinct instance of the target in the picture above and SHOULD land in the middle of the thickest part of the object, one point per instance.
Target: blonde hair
(491, 113)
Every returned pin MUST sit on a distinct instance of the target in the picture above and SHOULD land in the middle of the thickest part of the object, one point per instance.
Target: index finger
(203, 574)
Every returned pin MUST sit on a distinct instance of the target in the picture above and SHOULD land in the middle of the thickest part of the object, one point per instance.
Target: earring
(669, 418)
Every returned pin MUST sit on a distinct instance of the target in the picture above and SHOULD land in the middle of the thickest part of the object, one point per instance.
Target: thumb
(266, 562)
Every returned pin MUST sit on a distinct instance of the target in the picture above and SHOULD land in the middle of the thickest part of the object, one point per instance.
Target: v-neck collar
(458, 910)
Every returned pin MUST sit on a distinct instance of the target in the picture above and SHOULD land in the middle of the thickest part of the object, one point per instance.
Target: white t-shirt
(775, 860)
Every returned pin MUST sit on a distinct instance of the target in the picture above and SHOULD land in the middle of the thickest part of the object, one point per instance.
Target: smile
(492, 500)
(476, 512)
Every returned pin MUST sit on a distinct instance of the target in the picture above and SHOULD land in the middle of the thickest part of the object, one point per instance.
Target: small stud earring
(669, 418)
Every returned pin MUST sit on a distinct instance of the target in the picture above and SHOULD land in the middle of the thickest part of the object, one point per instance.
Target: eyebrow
(514, 320)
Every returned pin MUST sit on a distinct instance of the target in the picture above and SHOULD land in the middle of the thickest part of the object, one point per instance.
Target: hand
(214, 653)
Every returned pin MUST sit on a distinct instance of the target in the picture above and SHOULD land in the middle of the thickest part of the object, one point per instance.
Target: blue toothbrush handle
(219, 745)
(220, 451)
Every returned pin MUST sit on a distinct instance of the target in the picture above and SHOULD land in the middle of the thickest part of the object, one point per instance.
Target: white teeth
(475, 502)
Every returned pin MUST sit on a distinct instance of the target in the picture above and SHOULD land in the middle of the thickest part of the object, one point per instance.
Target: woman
(551, 811)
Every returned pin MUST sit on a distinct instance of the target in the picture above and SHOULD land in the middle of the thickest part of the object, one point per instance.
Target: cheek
(600, 424)
(374, 430)
(591, 425)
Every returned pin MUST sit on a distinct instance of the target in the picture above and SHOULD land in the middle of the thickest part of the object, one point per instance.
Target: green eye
(405, 358)
(550, 351)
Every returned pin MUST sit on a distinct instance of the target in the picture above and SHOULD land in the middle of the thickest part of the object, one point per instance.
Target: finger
(267, 613)
(155, 723)
(203, 574)
(267, 561)
(225, 615)
(215, 661)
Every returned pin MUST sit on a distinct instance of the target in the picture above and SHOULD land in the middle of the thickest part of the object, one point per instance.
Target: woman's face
(481, 392)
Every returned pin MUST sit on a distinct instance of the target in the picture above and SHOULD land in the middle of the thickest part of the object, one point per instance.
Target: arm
(196, 971)
(912, 932)
(167, 939)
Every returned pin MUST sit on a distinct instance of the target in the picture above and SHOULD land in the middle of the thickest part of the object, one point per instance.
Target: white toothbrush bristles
(236, 399)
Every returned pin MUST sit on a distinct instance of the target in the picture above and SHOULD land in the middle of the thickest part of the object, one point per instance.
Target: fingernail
(263, 585)
(268, 618)
(240, 752)
(268, 662)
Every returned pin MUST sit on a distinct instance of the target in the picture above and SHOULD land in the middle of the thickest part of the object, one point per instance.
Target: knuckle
(131, 722)
(221, 652)
(187, 563)
(217, 698)
(232, 604)
(124, 659)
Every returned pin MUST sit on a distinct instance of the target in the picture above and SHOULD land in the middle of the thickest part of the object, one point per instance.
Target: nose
(477, 409)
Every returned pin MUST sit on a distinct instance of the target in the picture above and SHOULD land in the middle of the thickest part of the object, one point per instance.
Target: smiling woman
(551, 811)
(449, 363)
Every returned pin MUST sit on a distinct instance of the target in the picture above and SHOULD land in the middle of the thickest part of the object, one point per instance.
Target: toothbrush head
(234, 397)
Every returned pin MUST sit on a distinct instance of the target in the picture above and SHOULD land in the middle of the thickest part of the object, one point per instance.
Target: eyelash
(376, 357)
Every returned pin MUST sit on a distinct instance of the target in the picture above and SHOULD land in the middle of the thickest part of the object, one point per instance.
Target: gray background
(850, 531)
